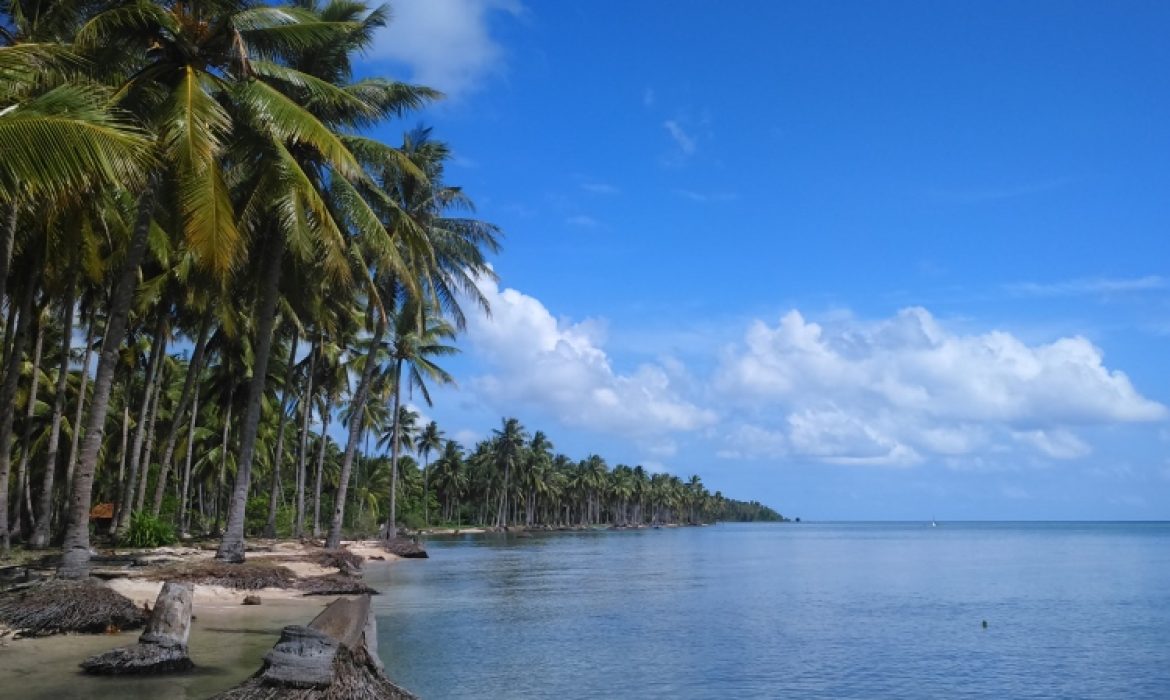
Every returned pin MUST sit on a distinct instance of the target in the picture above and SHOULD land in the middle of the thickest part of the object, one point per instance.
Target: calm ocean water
(1073, 610)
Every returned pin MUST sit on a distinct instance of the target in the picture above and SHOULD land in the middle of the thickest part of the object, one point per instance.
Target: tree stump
(162, 647)
(334, 658)
(407, 549)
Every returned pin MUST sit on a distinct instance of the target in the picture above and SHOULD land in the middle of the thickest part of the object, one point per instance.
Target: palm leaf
(192, 129)
(290, 122)
(63, 142)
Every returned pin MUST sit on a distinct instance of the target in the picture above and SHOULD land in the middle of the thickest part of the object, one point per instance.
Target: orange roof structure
(102, 511)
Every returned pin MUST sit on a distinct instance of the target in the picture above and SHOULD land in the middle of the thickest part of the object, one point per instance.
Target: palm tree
(431, 439)
(419, 335)
(507, 452)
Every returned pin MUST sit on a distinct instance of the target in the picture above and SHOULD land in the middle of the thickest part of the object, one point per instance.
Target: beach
(227, 643)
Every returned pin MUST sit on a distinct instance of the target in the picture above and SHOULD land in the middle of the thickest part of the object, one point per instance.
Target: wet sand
(228, 641)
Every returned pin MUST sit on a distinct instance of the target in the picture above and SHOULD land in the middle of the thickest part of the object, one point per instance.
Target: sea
(792, 610)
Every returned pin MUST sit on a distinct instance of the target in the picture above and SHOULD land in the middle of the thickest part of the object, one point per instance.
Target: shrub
(149, 531)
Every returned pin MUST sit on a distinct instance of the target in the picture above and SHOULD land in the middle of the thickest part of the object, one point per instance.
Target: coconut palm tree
(429, 440)
(419, 336)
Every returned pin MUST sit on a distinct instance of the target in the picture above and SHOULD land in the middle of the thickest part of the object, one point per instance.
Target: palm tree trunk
(303, 448)
(325, 417)
(7, 237)
(22, 492)
(231, 548)
(75, 562)
(122, 455)
(392, 520)
(223, 457)
(184, 513)
(78, 414)
(185, 398)
(355, 428)
(139, 500)
(126, 496)
(8, 400)
(274, 491)
(40, 536)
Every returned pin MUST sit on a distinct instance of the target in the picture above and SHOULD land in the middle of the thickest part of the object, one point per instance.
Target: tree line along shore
(206, 262)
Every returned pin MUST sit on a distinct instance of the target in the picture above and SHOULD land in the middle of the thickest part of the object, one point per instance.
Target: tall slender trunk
(8, 400)
(125, 503)
(184, 513)
(30, 412)
(278, 460)
(426, 503)
(392, 521)
(7, 237)
(79, 413)
(185, 399)
(10, 336)
(303, 448)
(231, 547)
(333, 540)
(223, 457)
(325, 418)
(144, 475)
(40, 536)
(75, 562)
(502, 511)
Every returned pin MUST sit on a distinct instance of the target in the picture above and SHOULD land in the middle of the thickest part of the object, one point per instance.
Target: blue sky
(856, 260)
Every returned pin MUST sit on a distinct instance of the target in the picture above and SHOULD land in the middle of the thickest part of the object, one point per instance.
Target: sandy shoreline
(228, 639)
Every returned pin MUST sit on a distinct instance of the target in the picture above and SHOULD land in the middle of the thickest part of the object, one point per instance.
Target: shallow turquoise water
(1074, 610)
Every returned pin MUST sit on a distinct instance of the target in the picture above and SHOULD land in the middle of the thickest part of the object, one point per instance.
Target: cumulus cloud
(906, 389)
(562, 368)
(446, 44)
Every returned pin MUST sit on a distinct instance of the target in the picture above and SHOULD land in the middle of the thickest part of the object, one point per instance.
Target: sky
(856, 260)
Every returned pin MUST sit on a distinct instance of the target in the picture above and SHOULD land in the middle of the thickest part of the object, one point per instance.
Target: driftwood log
(334, 658)
(162, 647)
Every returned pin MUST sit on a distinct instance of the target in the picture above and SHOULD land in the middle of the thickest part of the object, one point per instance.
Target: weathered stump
(407, 549)
(334, 658)
(162, 647)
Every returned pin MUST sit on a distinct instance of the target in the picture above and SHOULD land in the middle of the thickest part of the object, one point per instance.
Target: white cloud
(446, 44)
(905, 389)
(1091, 286)
(682, 139)
(750, 441)
(1057, 444)
(562, 368)
(467, 438)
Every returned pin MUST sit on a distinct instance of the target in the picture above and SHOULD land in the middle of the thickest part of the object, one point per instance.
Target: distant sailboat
(933, 523)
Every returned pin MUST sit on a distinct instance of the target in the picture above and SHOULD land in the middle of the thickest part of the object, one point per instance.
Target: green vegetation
(748, 512)
(147, 530)
(189, 187)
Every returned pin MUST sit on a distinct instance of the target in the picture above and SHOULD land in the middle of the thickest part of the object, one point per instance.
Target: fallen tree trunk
(334, 658)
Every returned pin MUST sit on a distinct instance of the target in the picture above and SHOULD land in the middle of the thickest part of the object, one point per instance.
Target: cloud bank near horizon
(896, 392)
